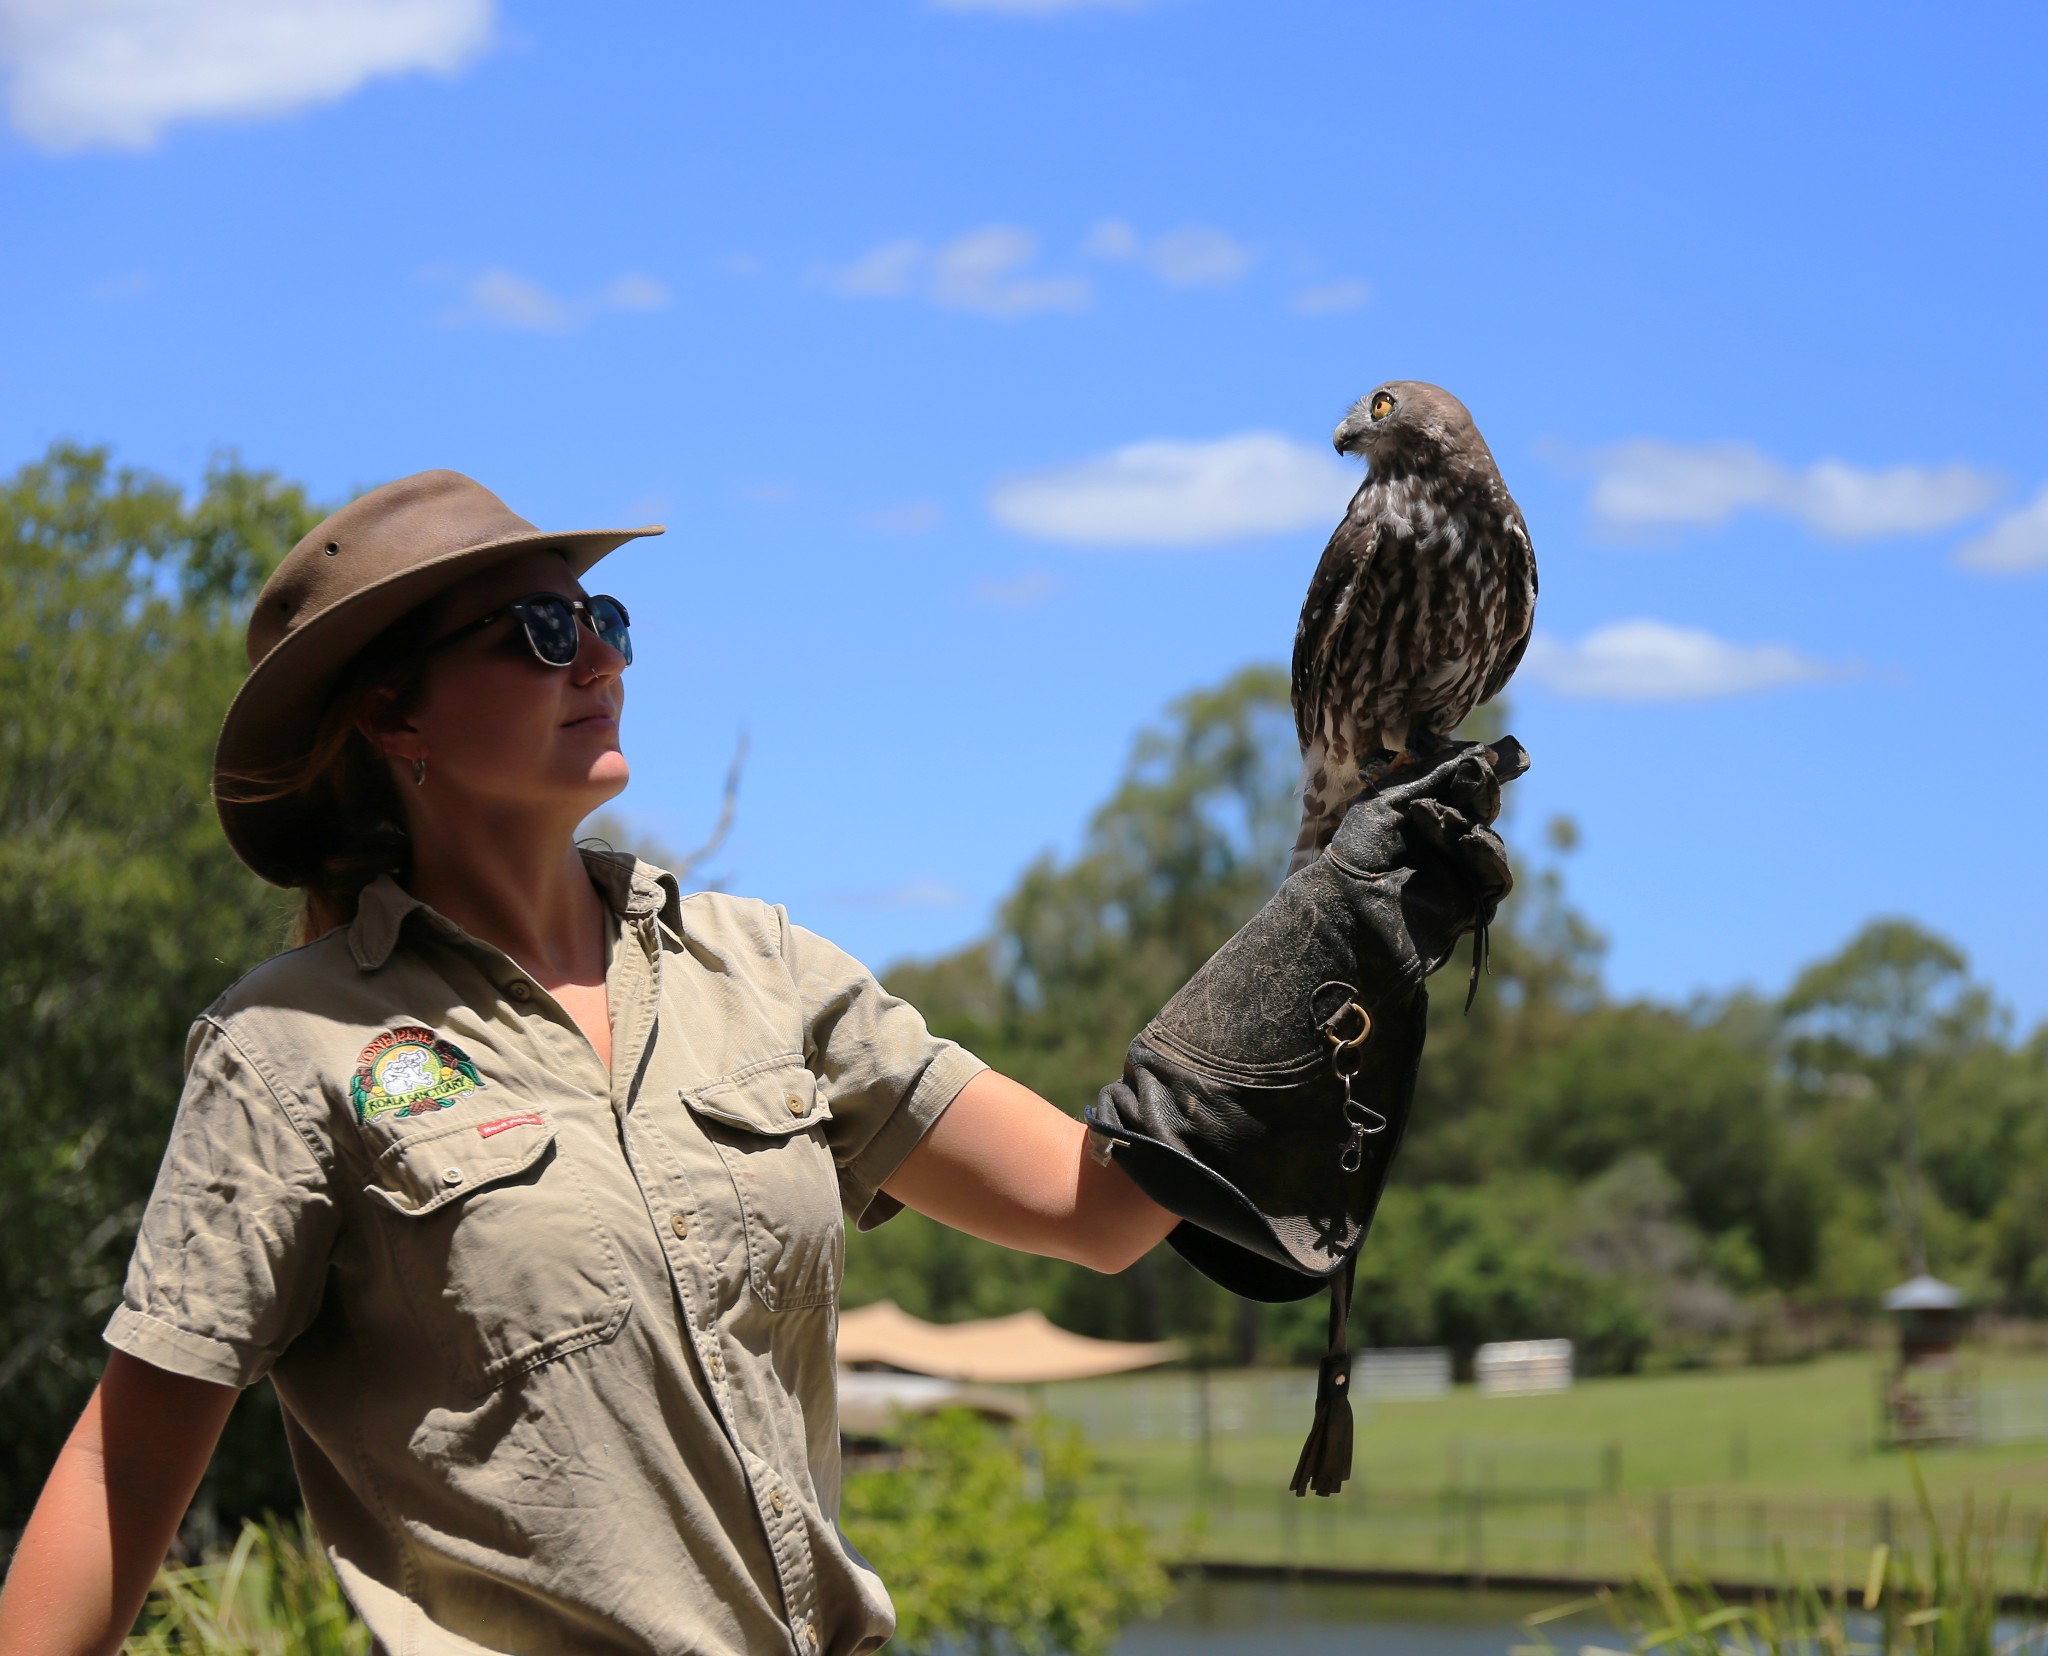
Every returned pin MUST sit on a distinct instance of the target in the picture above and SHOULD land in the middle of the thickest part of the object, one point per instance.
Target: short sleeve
(231, 1261)
(887, 1077)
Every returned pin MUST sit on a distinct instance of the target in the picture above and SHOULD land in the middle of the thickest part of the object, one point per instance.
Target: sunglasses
(549, 620)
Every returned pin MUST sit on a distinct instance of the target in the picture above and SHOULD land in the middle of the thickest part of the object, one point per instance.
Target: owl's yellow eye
(1382, 406)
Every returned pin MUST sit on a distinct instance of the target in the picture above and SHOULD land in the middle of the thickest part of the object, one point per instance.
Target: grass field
(1719, 1468)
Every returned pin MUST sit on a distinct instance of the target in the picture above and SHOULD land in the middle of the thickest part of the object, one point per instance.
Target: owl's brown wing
(1519, 602)
(1328, 613)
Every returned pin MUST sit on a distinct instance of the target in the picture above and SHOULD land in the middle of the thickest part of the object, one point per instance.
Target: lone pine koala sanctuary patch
(409, 1071)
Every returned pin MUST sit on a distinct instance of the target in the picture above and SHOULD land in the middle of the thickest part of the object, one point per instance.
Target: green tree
(990, 1543)
(1876, 1035)
(121, 610)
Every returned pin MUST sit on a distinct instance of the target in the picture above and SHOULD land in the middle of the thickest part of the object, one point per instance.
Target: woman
(523, 1177)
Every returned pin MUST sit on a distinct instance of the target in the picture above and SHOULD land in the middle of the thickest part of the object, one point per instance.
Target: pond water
(1304, 1618)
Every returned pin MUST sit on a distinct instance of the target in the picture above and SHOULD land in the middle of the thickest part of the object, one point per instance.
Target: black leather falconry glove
(1264, 1104)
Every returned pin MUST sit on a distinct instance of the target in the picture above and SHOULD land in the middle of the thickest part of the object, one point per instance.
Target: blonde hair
(355, 822)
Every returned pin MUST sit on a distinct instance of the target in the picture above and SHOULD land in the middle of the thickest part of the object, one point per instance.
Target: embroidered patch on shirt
(409, 1071)
(490, 1129)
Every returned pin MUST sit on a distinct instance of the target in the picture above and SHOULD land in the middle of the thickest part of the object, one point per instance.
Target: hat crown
(414, 521)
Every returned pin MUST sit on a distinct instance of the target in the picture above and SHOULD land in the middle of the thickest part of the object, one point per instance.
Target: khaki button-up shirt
(554, 1344)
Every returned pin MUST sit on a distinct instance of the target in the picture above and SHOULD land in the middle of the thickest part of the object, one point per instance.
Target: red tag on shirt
(489, 1128)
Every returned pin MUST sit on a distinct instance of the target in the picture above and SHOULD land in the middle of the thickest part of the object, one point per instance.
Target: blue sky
(982, 359)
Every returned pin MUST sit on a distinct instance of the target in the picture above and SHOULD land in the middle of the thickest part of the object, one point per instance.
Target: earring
(419, 773)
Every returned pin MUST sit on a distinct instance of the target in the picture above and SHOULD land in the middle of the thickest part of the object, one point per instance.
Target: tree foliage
(121, 608)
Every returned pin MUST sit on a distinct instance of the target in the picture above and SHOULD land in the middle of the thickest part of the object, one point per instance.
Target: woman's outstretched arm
(107, 1516)
(1003, 1164)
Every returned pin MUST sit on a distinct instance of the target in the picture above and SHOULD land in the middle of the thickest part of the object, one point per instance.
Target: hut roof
(1924, 1293)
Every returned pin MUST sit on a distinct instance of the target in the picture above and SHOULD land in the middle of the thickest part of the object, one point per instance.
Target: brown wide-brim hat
(372, 562)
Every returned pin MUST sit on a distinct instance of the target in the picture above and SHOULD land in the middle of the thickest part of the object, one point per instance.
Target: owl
(1420, 609)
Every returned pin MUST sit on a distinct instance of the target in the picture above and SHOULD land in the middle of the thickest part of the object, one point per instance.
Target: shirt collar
(633, 890)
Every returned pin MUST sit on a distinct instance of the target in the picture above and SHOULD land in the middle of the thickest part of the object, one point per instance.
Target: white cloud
(2016, 544)
(1168, 493)
(1347, 293)
(1035, 8)
(915, 893)
(1026, 591)
(1193, 255)
(634, 291)
(985, 271)
(1654, 661)
(500, 298)
(913, 519)
(1649, 485)
(129, 285)
(114, 74)
(883, 272)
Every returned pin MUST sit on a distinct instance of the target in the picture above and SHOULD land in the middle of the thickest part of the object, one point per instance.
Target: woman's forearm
(1004, 1164)
(109, 1511)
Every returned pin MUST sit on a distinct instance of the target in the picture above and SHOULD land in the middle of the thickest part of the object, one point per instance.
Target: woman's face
(499, 727)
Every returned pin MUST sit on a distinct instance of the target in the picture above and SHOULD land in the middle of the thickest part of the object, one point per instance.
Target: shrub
(990, 1546)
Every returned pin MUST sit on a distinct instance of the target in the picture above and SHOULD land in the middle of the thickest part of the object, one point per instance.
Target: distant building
(1928, 1397)
(1399, 1372)
(1509, 1368)
(1931, 1319)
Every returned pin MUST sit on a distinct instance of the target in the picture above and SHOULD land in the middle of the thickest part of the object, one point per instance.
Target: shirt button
(679, 1224)
(811, 1634)
(796, 1104)
(775, 1501)
(519, 989)
(451, 1175)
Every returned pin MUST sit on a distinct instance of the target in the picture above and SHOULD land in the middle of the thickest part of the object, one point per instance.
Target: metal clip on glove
(1265, 1103)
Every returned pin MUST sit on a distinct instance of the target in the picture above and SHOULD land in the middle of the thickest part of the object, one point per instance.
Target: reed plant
(1948, 1602)
(271, 1594)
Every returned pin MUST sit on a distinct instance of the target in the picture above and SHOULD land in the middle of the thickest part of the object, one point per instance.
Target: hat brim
(277, 711)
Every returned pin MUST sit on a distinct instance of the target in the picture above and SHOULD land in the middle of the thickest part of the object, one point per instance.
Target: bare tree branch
(728, 808)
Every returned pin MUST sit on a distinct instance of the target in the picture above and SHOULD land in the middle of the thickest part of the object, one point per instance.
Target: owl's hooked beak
(1349, 437)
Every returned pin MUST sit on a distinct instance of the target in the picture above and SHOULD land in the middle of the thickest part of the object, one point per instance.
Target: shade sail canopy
(1014, 1351)
(869, 1404)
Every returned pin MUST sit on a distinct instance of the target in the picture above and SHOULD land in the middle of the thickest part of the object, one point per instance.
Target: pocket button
(451, 1175)
(796, 1104)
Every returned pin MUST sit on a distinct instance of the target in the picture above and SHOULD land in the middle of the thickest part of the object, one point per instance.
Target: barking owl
(1421, 607)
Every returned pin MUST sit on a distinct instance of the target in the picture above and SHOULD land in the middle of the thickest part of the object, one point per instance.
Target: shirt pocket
(499, 1246)
(768, 1122)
